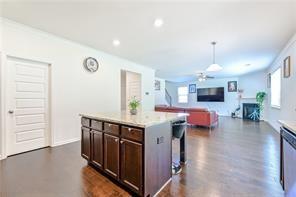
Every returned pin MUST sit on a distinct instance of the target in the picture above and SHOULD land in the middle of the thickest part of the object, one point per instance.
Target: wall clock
(91, 64)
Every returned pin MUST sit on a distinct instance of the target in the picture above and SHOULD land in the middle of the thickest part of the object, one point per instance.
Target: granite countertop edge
(130, 123)
(289, 124)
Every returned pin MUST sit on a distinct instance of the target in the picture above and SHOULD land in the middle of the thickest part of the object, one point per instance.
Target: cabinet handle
(121, 142)
(116, 140)
(129, 129)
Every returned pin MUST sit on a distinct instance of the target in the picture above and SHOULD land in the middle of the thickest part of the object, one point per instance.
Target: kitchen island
(133, 150)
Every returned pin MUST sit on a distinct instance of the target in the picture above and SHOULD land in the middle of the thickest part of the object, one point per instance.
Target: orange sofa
(197, 116)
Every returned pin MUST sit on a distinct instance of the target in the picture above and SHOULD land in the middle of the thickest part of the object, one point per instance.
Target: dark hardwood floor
(237, 158)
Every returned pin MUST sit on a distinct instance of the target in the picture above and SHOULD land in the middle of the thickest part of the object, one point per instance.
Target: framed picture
(232, 86)
(269, 80)
(287, 67)
(157, 85)
(192, 88)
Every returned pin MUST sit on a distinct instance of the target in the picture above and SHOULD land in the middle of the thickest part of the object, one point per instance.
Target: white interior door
(27, 106)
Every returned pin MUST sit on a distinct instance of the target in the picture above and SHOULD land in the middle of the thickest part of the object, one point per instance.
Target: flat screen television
(210, 94)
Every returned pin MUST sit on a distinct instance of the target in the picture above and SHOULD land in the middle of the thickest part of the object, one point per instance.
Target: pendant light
(214, 67)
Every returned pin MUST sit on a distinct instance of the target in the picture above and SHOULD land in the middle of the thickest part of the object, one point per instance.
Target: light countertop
(289, 124)
(142, 119)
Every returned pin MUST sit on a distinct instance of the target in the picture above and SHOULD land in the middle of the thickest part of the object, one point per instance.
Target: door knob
(11, 111)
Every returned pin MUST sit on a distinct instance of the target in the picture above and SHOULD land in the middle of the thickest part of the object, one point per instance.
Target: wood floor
(238, 158)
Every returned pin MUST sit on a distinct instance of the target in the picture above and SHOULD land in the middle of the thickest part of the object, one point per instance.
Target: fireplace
(251, 111)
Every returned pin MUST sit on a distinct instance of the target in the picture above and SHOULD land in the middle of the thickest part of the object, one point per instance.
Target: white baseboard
(276, 129)
(2, 157)
(224, 115)
(57, 144)
(65, 142)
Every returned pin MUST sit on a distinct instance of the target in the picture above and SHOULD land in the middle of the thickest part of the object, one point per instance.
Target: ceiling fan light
(214, 68)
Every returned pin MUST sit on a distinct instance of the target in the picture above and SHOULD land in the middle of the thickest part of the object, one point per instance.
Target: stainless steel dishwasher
(288, 162)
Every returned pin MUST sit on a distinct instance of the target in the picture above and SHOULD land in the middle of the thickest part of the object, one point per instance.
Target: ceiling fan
(202, 77)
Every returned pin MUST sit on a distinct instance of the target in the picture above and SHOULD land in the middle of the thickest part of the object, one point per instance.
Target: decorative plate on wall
(91, 64)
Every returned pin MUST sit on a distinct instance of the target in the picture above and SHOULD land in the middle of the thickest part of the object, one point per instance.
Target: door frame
(4, 83)
(124, 72)
(2, 106)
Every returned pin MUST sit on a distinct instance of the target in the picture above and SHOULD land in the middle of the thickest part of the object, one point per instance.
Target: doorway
(131, 84)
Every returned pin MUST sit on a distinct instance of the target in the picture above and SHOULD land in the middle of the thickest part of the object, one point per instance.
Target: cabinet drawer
(111, 128)
(132, 133)
(96, 125)
(85, 122)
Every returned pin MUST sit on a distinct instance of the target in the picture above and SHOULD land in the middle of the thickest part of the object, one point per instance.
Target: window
(182, 94)
(275, 82)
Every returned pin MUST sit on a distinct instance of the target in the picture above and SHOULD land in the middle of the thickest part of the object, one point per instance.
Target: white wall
(222, 108)
(172, 89)
(160, 94)
(73, 90)
(251, 84)
(288, 87)
(1, 89)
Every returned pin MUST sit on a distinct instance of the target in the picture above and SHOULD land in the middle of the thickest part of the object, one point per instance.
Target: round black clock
(91, 64)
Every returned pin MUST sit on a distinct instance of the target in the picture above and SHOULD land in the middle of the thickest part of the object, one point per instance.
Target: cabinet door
(85, 143)
(131, 165)
(111, 155)
(97, 148)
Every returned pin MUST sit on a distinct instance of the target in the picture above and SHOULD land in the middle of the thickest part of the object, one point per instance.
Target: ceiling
(251, 32)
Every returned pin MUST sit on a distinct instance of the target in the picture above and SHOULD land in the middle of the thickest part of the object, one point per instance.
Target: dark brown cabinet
(132, 134)
(85, 142)
(131, 164)
(111, 128)
(132, 156)
(111, 155)
(97, 148)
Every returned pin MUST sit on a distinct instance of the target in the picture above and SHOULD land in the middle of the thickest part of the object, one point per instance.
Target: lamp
(214, 67)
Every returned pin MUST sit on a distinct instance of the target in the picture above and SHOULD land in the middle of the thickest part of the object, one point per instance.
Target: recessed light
(116, 42)
(158, 22)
